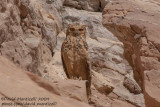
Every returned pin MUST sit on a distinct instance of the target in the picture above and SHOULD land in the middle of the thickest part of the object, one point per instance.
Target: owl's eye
(81, 29)
(72, 29)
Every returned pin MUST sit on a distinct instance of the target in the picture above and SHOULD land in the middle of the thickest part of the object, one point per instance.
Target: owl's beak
(76, 33)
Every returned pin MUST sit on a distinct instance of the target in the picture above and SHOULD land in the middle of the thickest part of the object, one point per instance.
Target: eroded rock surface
(89, 5)
(136, 24)
(28, 32)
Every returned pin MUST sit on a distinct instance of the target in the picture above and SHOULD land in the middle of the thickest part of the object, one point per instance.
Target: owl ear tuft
(69, 25)
(67, 30)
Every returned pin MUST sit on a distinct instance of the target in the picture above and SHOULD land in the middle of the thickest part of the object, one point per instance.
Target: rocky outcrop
(28, 33)
(136, 24)
(29, 86)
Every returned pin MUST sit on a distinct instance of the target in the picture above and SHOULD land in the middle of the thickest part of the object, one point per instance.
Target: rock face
(28, 33)
(89, 5)
(136, 24)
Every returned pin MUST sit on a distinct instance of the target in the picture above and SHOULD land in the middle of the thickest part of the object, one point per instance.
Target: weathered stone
(131, 85)
(102, 84)
(89, 5)
(136, 24)
(32, 42)
(28, 33)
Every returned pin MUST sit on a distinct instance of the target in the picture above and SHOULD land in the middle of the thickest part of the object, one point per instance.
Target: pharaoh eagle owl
(74, 53)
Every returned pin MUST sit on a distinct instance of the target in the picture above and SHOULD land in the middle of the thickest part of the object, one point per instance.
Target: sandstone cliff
(136, 24)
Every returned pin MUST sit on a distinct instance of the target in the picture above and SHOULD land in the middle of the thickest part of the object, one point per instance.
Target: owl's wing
(64, 65)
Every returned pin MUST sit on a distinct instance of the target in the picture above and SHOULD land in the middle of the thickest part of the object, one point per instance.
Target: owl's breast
(75, 46)
(80, 47)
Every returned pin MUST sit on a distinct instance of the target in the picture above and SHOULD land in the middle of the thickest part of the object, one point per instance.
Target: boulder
(132, 85)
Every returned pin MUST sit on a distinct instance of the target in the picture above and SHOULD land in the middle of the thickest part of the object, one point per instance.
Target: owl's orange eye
(72, 29)
(81, 29)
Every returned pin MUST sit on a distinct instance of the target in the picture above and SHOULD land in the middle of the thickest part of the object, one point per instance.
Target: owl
(74, 54)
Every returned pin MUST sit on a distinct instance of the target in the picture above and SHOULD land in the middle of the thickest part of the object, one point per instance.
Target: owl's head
(76, 30)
